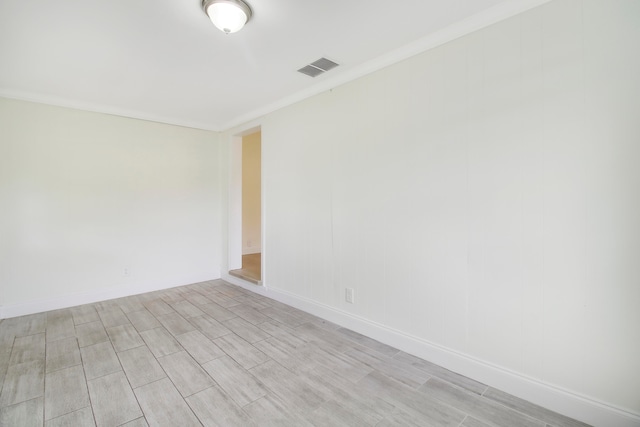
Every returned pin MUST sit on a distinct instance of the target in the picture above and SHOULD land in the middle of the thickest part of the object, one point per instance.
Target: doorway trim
(234, 243)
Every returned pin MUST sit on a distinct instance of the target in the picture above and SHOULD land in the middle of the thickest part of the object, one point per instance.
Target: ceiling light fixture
(228, 15)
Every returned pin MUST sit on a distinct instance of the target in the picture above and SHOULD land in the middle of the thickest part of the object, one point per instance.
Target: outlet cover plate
(348, 295)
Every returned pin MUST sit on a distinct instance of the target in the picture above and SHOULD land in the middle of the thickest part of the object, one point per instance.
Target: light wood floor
(251, 268)
(214, 354)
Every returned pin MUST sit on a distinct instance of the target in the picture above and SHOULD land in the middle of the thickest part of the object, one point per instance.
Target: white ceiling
(163, 60)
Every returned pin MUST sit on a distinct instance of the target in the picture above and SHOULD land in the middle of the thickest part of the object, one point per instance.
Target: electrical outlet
(348, 295)
(126, 271)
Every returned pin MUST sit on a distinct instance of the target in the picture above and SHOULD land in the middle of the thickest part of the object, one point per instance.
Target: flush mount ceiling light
(228, 15)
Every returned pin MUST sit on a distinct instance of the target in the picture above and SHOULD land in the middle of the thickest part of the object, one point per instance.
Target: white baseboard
(566, 402)
(72, 300)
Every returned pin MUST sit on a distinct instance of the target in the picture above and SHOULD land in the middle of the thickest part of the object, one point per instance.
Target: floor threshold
(240, 274)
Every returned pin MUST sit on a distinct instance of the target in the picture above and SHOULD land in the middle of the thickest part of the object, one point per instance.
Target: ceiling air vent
(318, 67)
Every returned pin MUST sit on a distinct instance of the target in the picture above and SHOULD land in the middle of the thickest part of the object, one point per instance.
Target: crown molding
(459, 29)
(103, 109)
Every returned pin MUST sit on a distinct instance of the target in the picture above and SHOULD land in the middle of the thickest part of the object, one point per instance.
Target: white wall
(96, 206)
(483, 200)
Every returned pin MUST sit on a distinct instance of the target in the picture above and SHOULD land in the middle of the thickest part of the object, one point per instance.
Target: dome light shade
(228, 15)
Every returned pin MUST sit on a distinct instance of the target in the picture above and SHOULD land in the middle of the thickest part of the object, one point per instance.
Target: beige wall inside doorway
(251, 173)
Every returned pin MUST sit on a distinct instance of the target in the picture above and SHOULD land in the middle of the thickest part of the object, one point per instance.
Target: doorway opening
(247, 157)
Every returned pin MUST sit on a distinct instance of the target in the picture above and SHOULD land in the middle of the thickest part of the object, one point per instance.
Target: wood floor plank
(381, 348)
(271, 411)
(294, 359)
(481, 408)
(217, 312)
(296, 392)
(371, 408)
(327, 339)
(23, 381)
(160, 342)
(25, 414)
(220, 300)
(106, 305)
(30, 324)
(186, 309)
(342, 364)
(282, 317)
(28, 349)
(59, 325)
(249, 313)
(175, 324)
(114, 402)
(171, 295)
(124, 337)
(442, 373)
(113, 317)
(91, 333)
(241, 351)
(472, 422)
(230, 290)
(62, 354)
(82, 417)
(65, 391)
(163, 405)
(255, 301)
(157, 307)
(215, 408)
(138, 422)
(143, 320)
(313, 320)
(196, 298)
(396, 369)
(431, 410)
(399, 418)
(236, 381)
(5, 354)
(201, 348)
(140, 366)
(245, 330)
(130, 304)
(99, 359)
(528, 408)
(209, 327)
(187, 375)
(84, 314)
(333, 414)
(282, 333)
